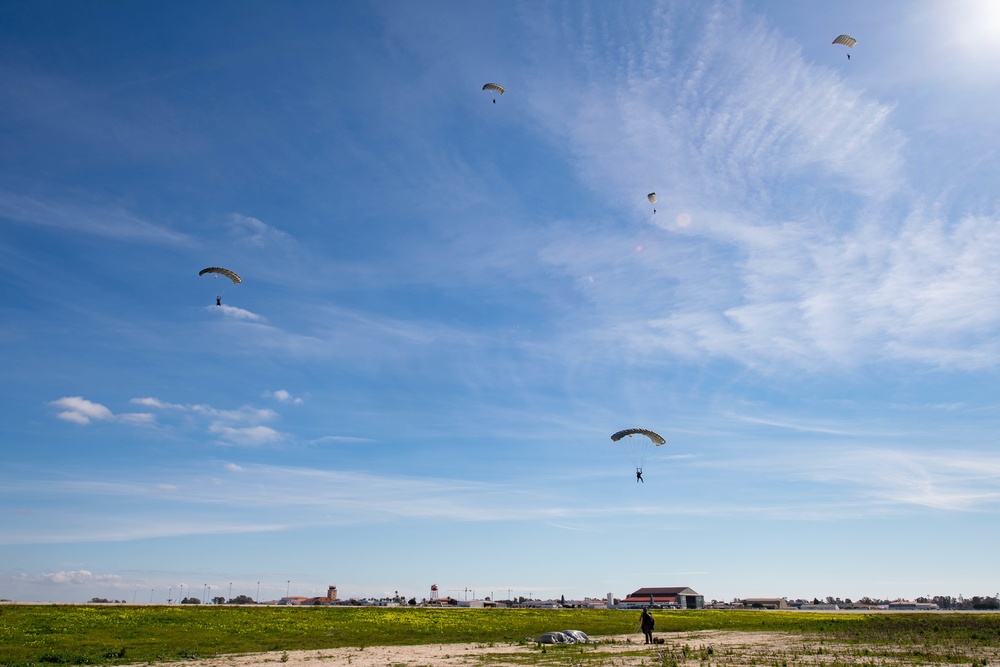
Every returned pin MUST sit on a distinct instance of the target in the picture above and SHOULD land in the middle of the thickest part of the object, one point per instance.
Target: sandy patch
(710, 648)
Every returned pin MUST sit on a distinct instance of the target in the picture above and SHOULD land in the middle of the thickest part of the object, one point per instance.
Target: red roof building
(675, 597)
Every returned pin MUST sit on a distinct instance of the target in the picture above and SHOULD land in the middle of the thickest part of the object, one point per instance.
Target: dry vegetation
(714, 648)
(221, 636)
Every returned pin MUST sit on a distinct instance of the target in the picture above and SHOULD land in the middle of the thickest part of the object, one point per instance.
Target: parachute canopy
(655, 437)
(496, 87)
(846, 40)
(224, 272)
(651, 197)
(637, 448)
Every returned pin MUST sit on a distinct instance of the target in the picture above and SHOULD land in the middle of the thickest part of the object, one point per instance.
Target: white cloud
(283, 396)
(804, 247)
(136, 417)
(339, 438)
(256, 232)
(153, 403)
(244, 414)
(236, 313)
(877, 479)
(956, 481)
(243, 426)
(69, 578)
(107, 221)
(248, 436)
(79, 410)
(253, 498)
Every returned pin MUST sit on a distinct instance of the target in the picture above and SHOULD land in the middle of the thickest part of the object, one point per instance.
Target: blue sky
(449, 305)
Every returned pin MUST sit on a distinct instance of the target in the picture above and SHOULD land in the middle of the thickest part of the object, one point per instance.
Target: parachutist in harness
(637, 447)
(848, 56)
(495, 87)
(217, 271)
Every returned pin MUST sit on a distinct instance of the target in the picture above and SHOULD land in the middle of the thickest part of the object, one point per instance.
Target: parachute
(495, 87)
(637, 448)
(652, 199)
(846, 40)
(223, 272)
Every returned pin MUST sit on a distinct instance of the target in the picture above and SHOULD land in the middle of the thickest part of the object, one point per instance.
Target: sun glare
(975, 26)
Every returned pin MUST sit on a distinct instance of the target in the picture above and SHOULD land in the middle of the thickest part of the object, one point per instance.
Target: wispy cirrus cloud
(340, 438)
(256, 232)
(256, 498)
(243, 414)
(240, 497)
(244, 426)
(110, 221)
(743, 261)
(956, 481)
(249, 436)
(67, 578)
(232, 312)
(882, 479)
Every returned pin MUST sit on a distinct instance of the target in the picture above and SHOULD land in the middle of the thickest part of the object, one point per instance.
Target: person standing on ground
(646, 622)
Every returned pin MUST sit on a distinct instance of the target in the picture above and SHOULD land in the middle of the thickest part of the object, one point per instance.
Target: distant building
(293, 599)
(541, 604)
(716, 604)
(766, 603)
(446, 601)
(904, 605)
(819, 607)
(330, 598)
(678, 597)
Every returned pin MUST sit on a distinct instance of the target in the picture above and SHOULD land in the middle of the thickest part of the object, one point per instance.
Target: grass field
(108, 634)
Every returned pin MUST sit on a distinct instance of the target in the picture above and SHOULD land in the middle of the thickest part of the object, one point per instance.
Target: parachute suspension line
(215, 272)
(634, 449)
(847, 41)
(637, 448)
(494, 87)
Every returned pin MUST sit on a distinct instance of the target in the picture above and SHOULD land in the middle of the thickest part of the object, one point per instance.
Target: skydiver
(647, 623)
(848, 56)
(218, 301)
(638, 476)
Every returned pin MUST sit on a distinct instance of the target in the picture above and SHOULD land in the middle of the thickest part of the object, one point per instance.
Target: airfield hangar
(676, 597)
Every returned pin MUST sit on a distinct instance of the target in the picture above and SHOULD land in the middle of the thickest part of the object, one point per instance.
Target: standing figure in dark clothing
(218, 301)
(646, 622)
(638, 476)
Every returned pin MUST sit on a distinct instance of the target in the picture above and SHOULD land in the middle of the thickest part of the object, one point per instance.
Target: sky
(451, 299)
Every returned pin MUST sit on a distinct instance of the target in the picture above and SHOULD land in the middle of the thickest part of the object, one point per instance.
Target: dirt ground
(689, 649)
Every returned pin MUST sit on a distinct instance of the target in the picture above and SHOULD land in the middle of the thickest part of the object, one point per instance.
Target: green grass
(108, 635)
